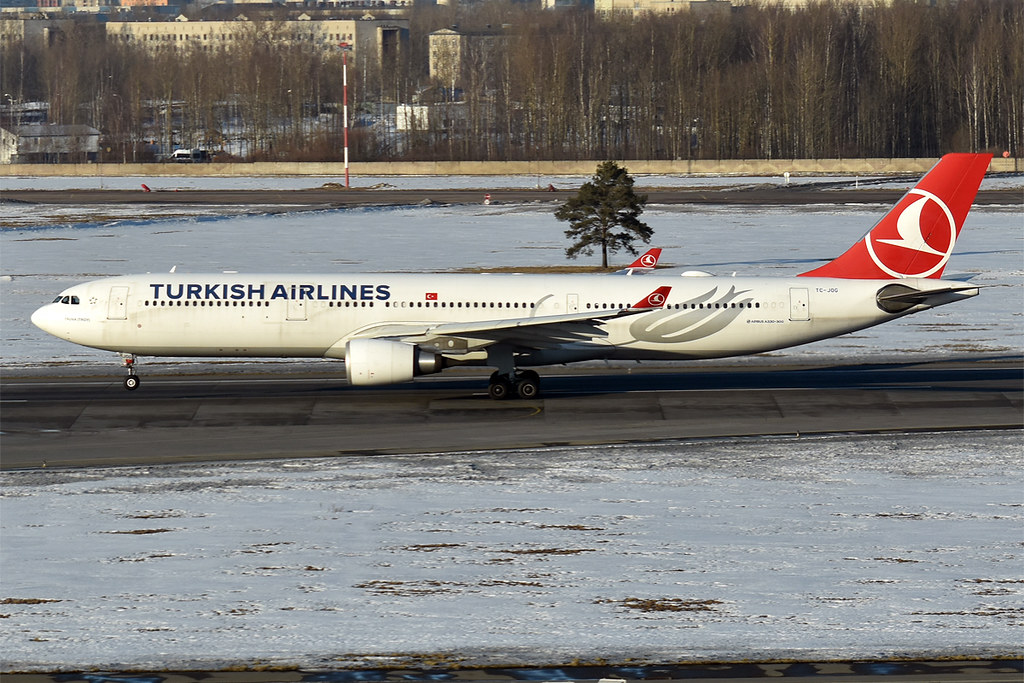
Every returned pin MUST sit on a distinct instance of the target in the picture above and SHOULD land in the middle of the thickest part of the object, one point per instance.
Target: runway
(82, 422)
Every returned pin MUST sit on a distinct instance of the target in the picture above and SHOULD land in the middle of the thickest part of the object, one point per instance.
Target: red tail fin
(916, 237)
(647, 261)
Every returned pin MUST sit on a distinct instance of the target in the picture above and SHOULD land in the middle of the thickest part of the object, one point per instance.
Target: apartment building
(452, 53)
(367, 35)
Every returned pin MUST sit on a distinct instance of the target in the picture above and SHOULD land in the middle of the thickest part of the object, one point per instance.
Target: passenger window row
(211, 304)
(459, 304)
(685, 306)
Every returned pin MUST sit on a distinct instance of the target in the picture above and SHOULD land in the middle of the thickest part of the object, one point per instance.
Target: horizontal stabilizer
(899, 298)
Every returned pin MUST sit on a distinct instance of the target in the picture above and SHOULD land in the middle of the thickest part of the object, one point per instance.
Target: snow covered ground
(822, 548)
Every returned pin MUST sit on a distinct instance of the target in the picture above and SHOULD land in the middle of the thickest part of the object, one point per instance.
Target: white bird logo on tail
(911, 236)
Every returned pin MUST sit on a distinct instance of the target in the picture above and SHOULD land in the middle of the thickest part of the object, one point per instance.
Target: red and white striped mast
(345, 47)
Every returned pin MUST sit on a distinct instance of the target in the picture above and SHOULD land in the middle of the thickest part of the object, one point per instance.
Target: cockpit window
(65, 299)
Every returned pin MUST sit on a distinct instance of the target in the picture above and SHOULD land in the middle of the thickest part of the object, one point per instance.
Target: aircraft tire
(499, 389)
(131, 382)
(528, 385)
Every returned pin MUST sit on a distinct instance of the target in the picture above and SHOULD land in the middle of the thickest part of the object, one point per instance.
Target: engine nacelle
(378, 361)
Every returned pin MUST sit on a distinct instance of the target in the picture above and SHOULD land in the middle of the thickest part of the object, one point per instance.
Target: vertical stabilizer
(916, 238)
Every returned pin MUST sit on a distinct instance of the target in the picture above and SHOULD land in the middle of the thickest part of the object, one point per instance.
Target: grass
(665, 604)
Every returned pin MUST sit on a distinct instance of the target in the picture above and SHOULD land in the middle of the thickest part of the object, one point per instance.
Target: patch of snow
(823, 547)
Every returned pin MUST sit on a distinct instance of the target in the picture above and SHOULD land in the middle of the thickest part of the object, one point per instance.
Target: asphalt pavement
(77, 422)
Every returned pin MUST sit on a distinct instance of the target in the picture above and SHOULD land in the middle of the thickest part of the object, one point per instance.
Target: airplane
(390, 328)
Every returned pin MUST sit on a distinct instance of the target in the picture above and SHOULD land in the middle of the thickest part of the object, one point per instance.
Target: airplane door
(296, 309)
(798, 304)
(572, 303)
(117, 305)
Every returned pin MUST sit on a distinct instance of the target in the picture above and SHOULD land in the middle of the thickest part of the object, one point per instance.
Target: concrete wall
(753, 167)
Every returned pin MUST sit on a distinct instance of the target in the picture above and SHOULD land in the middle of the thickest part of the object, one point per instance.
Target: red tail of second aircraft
(916, 238)
(647, 261)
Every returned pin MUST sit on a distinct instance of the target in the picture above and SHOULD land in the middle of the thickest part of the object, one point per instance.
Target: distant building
(448, 116)
(452, 54)
(40, 32)
(567, 4)
(147, 3)
(366, 35)
(375, 39)
(619, 8)
(17, 113)
(49, 144)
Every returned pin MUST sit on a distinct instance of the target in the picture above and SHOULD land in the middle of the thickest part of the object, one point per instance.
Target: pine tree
(604, 212)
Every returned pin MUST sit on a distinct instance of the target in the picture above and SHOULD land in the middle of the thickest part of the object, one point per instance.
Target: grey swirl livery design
(703, 316)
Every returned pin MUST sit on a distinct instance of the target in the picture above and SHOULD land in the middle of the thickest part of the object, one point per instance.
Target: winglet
(915, 239)
(646, 263)
(655, 299)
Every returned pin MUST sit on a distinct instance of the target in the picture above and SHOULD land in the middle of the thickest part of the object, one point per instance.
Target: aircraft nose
(45, 318)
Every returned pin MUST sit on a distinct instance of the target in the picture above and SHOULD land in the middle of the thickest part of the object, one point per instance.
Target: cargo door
(798, 304)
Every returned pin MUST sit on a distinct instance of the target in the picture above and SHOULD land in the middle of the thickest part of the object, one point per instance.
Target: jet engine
(380, 361)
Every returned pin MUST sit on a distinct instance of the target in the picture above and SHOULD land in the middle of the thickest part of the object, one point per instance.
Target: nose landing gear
(131, 382)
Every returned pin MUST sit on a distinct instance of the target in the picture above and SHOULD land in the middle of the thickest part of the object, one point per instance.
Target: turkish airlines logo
(656, 299)
(925, 226)
(648, 261)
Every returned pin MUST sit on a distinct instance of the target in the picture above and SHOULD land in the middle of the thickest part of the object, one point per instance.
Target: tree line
(827, 80)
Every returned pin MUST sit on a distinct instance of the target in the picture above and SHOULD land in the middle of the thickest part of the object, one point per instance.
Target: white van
(190, 155)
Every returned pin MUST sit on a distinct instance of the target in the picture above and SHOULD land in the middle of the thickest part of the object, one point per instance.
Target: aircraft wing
(536, 332)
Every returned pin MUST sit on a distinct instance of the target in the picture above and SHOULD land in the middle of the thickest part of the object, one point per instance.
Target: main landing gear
(523, 383)
(131, 382)
(507, 381)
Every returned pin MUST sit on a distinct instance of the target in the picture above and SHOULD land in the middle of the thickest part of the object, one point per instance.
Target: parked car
(192, 155)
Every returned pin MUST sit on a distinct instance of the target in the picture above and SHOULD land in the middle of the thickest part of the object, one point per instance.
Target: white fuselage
(315, 315)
